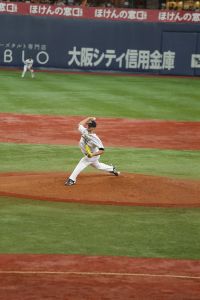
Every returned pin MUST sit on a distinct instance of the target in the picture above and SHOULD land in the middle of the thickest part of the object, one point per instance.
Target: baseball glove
(88, 151)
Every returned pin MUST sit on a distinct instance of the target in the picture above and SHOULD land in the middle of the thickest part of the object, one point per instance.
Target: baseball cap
(92, 124)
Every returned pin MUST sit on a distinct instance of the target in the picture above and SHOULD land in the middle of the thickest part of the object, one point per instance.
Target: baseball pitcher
(92, 148)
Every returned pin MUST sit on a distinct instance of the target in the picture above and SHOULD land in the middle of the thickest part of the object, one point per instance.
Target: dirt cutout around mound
(98, 188)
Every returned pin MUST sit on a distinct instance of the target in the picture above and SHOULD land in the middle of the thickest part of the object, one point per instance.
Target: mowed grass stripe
(99, 95)
(172, 163)
(49, 227)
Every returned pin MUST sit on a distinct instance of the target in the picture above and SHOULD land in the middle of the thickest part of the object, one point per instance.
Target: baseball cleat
(115, 172)
(70, 182)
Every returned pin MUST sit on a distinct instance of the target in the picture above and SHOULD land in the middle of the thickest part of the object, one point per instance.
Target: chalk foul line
(98, 274)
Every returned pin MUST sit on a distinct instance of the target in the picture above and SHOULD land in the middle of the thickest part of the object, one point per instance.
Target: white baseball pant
(26, 68)
(85, 162)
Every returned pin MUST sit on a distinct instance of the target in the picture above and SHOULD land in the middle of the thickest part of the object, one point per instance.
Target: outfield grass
(47, 227)
(172, 163)
(101, 95)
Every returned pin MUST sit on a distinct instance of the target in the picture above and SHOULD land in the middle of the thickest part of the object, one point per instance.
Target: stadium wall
(100, 45)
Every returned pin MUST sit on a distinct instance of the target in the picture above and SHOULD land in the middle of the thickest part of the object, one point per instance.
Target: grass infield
(48, 227)
(172, 163)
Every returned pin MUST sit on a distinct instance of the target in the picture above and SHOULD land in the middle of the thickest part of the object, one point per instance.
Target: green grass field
(28, 226)
(48, 227)
(172, 163)
(101, 95)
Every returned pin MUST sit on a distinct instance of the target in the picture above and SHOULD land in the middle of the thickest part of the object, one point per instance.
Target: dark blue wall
(48, 41)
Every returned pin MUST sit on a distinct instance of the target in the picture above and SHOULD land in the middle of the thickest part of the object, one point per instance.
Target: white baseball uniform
(28, 64)
(95, 144)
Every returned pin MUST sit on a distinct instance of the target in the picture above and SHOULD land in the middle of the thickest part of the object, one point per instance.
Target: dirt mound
(100, 188)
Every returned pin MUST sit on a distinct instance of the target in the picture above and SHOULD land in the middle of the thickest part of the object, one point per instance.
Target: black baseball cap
(92, 124)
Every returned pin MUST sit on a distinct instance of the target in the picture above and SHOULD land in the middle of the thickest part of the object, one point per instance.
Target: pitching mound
(127, 189)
